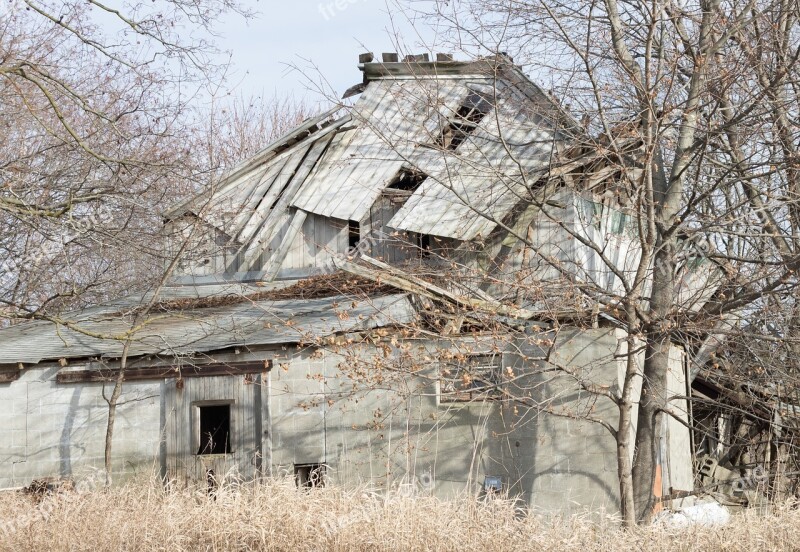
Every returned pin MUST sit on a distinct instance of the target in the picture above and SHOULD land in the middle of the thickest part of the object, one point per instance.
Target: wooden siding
(387, 244)
(340, 171)
(208, 250)
(180, 462)
(319, 239)
(167, 371)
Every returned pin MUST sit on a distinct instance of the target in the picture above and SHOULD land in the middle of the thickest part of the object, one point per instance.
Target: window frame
(196, 425)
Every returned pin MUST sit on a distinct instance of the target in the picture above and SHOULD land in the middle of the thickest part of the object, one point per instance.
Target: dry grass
(276, 516)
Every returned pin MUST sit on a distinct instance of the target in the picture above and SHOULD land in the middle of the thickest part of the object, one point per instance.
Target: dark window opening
(353, 233)
(407, 180)
(309, 476)
(215, 429)
(476, 377)
(423, 245)
(465, 121)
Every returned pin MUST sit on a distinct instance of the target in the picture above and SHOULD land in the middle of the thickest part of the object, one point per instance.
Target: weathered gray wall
(364, 414)
(55, 430)
(394, 433)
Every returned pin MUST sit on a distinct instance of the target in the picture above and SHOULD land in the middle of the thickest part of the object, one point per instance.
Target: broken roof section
(204, 319)
(480, 132)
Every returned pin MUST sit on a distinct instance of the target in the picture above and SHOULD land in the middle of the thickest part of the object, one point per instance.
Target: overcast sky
(311, 32)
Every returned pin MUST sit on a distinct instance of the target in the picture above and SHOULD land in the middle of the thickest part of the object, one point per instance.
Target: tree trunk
(112, 411)
(653, 400)
(624, 428)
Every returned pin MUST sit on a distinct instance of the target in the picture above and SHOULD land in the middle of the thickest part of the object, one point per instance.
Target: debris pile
(315, 287)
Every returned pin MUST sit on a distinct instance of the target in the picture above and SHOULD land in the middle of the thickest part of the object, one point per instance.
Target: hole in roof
(407, 180)
(465, 120)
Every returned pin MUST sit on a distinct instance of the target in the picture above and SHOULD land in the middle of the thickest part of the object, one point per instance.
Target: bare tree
(106, 121)
(695, 105)
(98, 134)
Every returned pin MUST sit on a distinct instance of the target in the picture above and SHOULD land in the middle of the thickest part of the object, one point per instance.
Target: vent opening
(423, 245)
(353, 233)
(309, 476)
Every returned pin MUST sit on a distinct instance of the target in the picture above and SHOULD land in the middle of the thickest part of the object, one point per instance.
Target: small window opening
(353, 233)
(492, 485)
(215, 429)
(407, 180)
(465, 121)
(309, 476)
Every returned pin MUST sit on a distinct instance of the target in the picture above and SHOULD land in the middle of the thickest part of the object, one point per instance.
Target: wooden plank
(164, 425)
(307, 249)
(167, 371)
(182, 433)
(231, 389)
(247, 200)
(250, 444)
(277, 258)
(330, 237)
(269, 441)
(389, 275)
(274, 222)
(314, 187)
(305, 131)
(263, 207)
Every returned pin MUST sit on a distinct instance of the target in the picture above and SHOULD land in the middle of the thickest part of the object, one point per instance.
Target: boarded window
(215, 429)
(474, 377)
(309, 476)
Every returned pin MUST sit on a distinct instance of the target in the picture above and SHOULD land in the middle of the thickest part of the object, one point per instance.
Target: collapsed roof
(411, 115)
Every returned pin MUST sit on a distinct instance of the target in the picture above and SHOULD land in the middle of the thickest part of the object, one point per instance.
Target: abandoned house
(355, 306)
